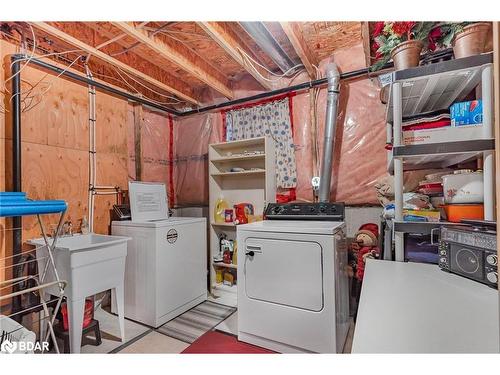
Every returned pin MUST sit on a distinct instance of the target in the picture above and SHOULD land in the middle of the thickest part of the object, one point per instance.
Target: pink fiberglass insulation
(359, 159)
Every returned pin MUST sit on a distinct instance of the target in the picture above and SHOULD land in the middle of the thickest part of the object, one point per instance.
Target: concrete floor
(144, 340)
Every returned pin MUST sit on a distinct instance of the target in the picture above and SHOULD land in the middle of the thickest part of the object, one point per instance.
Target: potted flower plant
(466, 38)
(400, 41)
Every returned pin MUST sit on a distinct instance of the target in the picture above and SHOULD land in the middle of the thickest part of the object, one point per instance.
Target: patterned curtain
(270, 120)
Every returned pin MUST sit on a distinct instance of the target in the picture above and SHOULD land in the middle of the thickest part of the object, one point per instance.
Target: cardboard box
(445, 134)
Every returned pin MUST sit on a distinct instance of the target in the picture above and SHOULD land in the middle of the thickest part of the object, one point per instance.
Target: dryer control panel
(305, 211)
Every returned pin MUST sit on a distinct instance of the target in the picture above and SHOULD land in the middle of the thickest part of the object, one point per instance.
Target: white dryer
(293, 285)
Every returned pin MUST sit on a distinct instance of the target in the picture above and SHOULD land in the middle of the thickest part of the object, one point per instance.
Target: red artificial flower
(375, 47)
(434, 35)
(401, 28)
(378, 28)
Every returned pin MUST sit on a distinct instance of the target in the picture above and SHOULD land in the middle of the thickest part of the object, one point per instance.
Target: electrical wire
(252, 61)
(51, 83)
(117, 69)
(27, 100)
(32, 55)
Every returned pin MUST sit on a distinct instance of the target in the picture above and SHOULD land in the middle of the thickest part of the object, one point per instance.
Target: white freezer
(166, 267)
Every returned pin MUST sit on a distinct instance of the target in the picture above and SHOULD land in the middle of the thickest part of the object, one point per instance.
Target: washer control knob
(492, 277)
(492, 259)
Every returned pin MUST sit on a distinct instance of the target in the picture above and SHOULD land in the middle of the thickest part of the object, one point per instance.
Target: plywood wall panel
(111, 129)
(55, 146)
(51, 172)
(59, 111)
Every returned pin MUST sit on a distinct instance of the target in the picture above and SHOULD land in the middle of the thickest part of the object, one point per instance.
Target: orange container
(457, 212)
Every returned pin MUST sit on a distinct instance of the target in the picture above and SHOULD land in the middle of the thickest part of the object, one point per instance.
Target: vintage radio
(470, 251)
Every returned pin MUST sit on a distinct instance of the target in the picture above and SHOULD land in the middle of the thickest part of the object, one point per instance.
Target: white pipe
(333, 76)
(92, 151)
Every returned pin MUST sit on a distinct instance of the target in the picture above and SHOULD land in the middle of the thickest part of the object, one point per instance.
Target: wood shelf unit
(227, 225)
(236, 174)
(224, 265)
(257, 187)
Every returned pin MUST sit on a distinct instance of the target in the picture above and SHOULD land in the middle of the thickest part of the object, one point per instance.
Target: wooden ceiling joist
(232, 44)
(180, 89)
(180, 55)
(300, 46)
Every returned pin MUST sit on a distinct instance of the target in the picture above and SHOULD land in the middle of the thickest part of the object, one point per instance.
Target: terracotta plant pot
(471, 41)
(407, 54)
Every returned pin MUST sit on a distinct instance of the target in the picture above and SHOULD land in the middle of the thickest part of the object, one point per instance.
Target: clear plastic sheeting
(155, 142)
(192, 135)
(359, 160)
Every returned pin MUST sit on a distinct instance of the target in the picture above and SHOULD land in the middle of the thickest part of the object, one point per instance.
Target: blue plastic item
(16, 204)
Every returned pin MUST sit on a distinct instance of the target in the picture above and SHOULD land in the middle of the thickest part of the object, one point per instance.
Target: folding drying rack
(14, 204)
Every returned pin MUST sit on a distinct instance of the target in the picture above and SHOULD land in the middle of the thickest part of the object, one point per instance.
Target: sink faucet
(67, 228)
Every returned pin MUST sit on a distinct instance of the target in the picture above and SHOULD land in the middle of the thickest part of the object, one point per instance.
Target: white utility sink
(90, 263)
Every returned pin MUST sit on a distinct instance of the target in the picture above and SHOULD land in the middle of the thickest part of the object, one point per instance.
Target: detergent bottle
(220, 205)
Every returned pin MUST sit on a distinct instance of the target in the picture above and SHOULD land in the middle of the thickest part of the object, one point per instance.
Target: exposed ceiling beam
(181, 92)
(308, 58)
(365, 35)
(232, 44)
(180, 55)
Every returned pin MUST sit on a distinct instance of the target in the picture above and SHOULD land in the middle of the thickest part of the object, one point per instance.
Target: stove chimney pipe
(333, 76)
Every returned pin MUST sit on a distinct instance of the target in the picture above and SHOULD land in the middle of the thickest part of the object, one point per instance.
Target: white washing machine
(166, 267)
(293, 285)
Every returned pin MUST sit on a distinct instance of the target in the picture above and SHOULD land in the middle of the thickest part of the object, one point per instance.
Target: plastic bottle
(85, 226)
(220, 205)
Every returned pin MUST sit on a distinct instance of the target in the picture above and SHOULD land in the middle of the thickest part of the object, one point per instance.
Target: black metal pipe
(269, 94)
(101, 86)
(17, 235)
(309, 85)
(284, 90)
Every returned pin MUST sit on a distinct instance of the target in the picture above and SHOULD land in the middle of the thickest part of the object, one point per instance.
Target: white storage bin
(463, 188)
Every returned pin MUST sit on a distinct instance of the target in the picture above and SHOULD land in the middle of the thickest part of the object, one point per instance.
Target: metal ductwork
(265, 40)
(333, 76)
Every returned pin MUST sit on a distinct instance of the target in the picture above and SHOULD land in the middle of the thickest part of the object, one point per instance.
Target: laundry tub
(90, 263)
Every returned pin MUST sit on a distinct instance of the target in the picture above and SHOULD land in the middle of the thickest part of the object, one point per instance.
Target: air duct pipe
(333, 76)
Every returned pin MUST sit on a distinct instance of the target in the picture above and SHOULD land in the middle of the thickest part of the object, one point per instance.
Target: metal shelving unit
(429, 88)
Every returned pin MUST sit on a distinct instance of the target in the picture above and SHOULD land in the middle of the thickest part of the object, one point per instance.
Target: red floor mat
(214, 342)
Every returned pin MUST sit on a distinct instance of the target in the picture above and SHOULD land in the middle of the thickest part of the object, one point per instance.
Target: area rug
(215, 342)
(195, 322)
